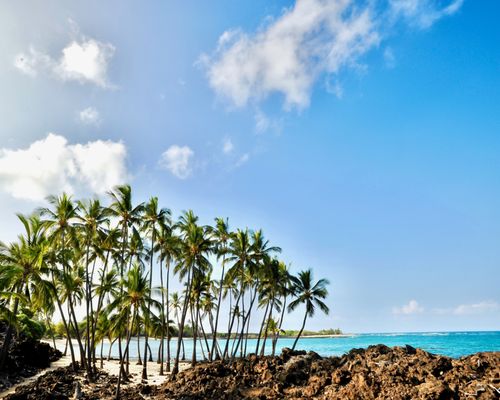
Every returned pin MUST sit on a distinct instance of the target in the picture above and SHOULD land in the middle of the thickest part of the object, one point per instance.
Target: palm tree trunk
(66, 326)
(139, 362)
(300, 332)
(160, 355)
(146, 319)
(175, 369)
(83, 360)
(275, 339)
(168, 317)
(214, 341)
(87, 312)
(129, 335)
(226, 348)
(261, 328)
(195, 331)
(99, 302)
(266, 331)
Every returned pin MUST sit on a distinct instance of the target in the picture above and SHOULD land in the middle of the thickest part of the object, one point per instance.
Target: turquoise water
(453, 344)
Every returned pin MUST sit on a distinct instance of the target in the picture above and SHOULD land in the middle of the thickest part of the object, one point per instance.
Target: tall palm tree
(311, 295)
(221, 235)
(193, 260)
(176, 305)
(168, 246)
(127, 214)
(92, 217)
(153, 217)
(135, 298)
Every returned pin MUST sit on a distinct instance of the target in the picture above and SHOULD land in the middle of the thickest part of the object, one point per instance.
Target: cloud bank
(52, 165)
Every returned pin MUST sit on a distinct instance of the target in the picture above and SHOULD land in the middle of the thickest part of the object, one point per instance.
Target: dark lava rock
(26, 357)
(375, 373)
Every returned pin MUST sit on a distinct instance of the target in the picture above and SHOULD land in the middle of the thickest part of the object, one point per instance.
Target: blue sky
(362, 137)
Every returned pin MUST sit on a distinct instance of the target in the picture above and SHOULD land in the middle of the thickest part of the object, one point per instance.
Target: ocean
(452, 344)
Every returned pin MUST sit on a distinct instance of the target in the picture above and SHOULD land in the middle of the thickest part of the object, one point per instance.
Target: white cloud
(477, 308)
(85, 61)
(289, 54)
(90, 116)
(227, 146)
(423, 13)
(310, 39)
(177, 160)
(242, 160)
(51, 165)
(411, 308)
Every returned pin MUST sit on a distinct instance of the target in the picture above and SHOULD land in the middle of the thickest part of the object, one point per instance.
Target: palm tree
(168, 246)
(153, 217)
(176, 305)
(23, 262)
(193, 260)
(311, 295)
(122, 208)
(221, 235)
(92, 217)
(135, 298)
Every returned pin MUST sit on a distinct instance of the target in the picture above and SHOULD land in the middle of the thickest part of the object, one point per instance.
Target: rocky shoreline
(378, 372)
(26, 357)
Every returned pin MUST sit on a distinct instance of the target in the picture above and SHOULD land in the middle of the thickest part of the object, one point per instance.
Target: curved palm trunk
(88, 342)
(83, 359)
(128, 337)
(266, 331)
(168, 316)
(214, 341)
(226, 348)
(100, 301)
(275, 339)
(300, 332)
(175, 369)
(162, 342)
(194, 318)
(261, 328)
(146, 319)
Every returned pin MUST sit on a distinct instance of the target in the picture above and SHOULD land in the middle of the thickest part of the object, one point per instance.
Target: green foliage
(30, 326)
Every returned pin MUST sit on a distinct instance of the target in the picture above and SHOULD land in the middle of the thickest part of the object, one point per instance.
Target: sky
(363, 137)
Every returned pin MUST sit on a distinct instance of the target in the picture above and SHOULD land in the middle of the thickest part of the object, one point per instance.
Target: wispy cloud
(289, 54)
(423, 13)
(177, 159)
(90, 116)
(310, 39)
(242, 160)
(52, 165)
(476, 308)
(411, 308)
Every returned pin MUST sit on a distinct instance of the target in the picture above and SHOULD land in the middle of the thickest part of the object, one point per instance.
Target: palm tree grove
(89, 267)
